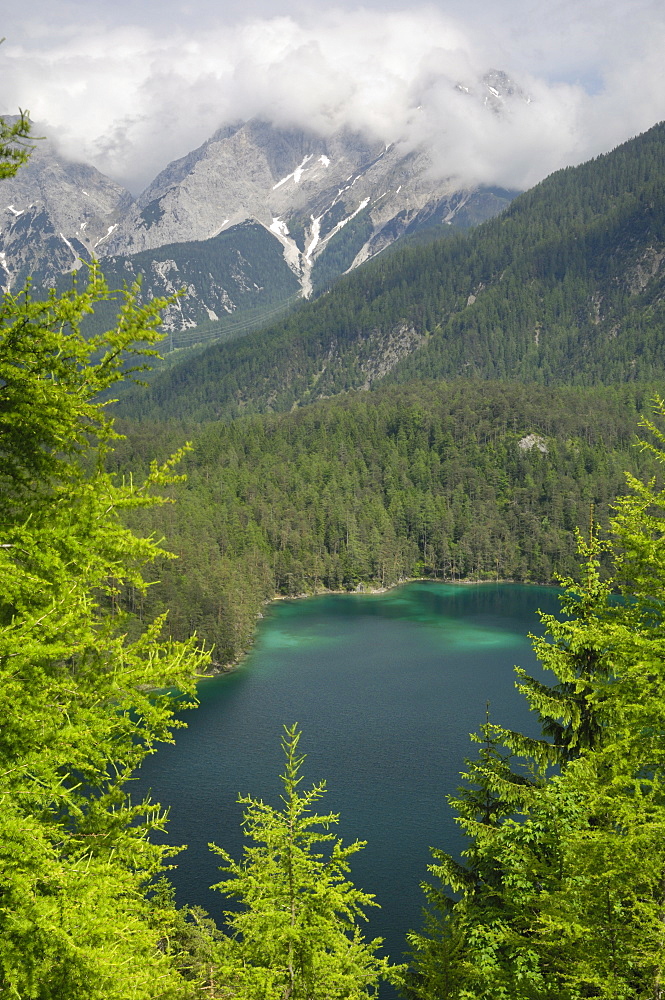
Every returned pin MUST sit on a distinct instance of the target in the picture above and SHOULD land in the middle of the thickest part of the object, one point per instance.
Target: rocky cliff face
(303, 189)
(228, 284)
(325, 204)
(52, 213)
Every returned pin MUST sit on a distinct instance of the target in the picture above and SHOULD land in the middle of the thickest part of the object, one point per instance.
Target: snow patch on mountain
(279, 227)
(108, 233)
(3, 264)
(296, 174)
(314, 236)
(76, 255)
(292, 254)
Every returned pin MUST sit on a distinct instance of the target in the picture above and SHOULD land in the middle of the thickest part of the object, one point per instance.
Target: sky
(130, 86)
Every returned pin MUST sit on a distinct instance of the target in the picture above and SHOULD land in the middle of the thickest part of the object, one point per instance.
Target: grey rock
(53, 212)
(531, 441)
(328, 205)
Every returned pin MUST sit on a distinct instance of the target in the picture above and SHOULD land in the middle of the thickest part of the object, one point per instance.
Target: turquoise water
(386, 689)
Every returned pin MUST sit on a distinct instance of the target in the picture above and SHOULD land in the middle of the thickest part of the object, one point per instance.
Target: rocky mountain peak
(326, 203)
(53, 212)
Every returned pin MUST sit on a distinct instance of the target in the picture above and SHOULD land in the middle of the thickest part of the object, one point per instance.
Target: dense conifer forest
(448, 470)
(454, 481)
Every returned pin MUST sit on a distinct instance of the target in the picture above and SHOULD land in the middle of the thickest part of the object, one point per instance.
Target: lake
(386, 689)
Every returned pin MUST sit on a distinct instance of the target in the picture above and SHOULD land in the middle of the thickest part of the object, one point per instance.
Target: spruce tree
(562, 893)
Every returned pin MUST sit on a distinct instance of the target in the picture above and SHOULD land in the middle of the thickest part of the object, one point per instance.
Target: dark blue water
(386, 689)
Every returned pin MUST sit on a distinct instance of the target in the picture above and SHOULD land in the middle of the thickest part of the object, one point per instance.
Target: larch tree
(80, 705)
(297, 934)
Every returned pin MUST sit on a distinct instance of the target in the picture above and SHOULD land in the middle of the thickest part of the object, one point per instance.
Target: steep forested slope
(223, 284)
(565, 286)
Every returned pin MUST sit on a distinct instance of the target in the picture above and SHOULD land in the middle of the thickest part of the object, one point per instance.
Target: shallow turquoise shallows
(386, 689)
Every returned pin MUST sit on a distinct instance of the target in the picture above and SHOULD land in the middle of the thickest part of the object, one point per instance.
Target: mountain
(566, 286)
(342, 198)
(55, 212)
(326, 205)
(226, 284)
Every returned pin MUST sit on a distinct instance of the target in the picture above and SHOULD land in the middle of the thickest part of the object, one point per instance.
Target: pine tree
(563, 892)
(297, 935)
(79, 701)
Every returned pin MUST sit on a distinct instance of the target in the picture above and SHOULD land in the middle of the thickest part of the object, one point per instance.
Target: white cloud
(130, 97)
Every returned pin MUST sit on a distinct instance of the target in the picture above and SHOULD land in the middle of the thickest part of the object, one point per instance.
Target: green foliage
(428, 480)
(297, 934)
(563, 889)
(15, 148)
(575, 650)
(78, 700)
(192, 939)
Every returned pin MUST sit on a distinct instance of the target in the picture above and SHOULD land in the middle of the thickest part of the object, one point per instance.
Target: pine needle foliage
(80, 704)
(297, 935)
(562, 892)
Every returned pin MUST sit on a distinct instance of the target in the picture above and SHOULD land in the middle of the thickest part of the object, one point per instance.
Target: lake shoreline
(219, 669)
(386, 698)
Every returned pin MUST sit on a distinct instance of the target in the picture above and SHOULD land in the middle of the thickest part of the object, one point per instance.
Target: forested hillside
(564, 287)
(450, 480)
(223, 286)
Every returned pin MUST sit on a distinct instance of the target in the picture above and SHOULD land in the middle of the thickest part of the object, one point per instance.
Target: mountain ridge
(329, 203)
(568, 284)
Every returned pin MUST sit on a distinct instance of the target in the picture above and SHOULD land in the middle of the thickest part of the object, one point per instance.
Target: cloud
(129, 97)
